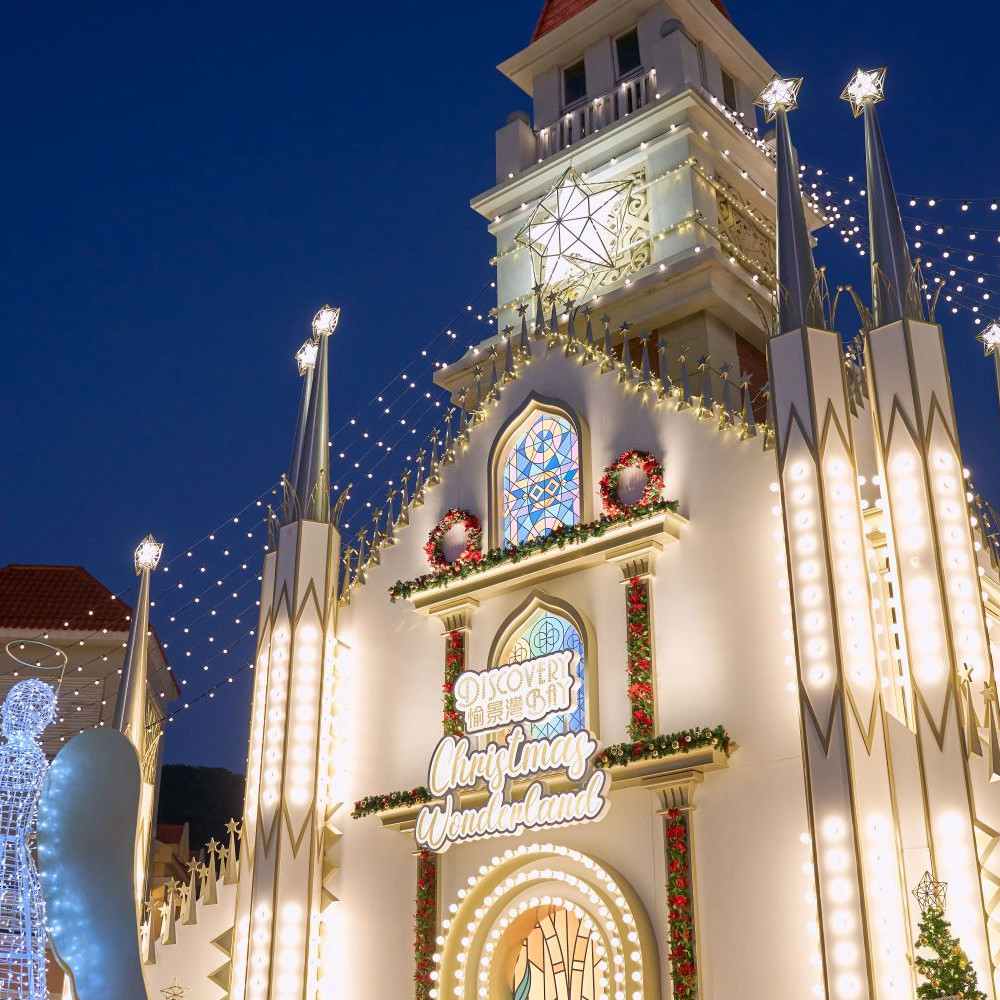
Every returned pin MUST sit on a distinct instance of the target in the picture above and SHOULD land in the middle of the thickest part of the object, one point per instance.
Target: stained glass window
(541, 479)
(545, 632)
(557, 960)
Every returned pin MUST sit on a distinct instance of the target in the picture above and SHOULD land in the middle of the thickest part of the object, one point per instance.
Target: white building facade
(767, 688)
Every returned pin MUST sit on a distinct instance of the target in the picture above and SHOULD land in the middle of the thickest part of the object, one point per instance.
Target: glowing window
(545, 632)
(556, 961)
(541, 480)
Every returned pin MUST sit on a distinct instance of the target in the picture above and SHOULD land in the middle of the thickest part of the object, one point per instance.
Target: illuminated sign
(517, 692)
(512, 695)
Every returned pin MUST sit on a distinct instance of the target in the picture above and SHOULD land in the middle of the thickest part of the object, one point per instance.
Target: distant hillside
(205, 797)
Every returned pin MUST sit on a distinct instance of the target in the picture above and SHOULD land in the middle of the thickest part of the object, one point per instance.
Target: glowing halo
(61, 657)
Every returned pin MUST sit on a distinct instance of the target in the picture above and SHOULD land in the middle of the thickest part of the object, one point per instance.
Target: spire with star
(798, 289)
(895, 292)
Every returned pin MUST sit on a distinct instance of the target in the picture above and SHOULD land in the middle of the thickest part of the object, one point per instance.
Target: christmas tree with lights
(949, 973)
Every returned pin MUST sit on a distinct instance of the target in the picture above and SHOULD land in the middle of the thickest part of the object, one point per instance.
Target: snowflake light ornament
(866, 87)
(575, 228)
(779, 95)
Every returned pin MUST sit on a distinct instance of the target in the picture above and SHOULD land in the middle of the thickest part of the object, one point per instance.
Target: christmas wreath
(472, 552)
(631, 459)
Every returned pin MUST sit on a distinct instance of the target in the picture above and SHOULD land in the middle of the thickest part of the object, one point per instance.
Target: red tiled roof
(169, 833)
(556, 12)
(49, 597)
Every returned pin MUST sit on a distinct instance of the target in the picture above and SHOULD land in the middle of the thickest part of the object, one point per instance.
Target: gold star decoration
(574, 228)
(174, 991)
(779, 95)
(866, 87)
(990, 338)
(930, 894)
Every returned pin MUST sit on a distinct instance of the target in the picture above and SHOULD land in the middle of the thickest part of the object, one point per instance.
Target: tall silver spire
(306, 358)
(130, 705)
(895, 293)
(312, 481)
(799, 302)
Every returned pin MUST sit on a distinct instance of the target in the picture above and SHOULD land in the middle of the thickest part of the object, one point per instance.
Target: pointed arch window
(540, 485)
(545, 631)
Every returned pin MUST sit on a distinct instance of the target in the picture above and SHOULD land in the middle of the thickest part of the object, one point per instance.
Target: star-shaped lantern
(574, 228)
(325, 321)
(306, 356)
(779, 95)
(147, 554)
(930, 894)
(865, 88)
(990, 338)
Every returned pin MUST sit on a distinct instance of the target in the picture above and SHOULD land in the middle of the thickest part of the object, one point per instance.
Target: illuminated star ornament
(574, 228)
(866, 87)
(147, 554)
(990, 338)
(930, 894)
(306, 356)
(779, 95)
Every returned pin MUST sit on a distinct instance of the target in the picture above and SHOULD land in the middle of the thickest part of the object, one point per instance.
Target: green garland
(371, 804)
(425, 924)
(639, 644)
(664, 746)
(558, 538)
(683, 965)
(454, 664)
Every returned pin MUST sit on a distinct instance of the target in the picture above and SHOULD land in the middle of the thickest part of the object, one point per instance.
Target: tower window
(729, 90)
(574, 83)
(627, 52)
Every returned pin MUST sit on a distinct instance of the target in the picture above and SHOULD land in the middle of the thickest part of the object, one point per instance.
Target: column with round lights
(283, 946)
(863, 939)
(927, 523)
(928, 527)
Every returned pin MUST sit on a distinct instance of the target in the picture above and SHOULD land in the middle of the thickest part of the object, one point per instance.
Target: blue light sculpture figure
(29, 707)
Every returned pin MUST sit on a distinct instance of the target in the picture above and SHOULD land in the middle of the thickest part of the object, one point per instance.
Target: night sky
(184, 185)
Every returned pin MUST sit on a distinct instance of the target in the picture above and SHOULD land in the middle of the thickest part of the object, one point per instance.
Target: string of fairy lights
(192, 609)
(195, 612)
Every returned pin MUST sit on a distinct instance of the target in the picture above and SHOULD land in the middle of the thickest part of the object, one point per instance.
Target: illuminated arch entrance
(546, 922)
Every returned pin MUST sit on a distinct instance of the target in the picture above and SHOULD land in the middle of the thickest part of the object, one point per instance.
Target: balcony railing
(628, 97)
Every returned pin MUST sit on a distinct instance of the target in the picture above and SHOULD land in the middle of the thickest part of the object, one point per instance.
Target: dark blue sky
(184, 185)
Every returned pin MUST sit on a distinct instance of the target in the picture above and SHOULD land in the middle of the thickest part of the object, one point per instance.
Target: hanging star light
(990, 338)
(779, 95)
(174, 991)
(574, 228)
(930, 894)
(865, 87)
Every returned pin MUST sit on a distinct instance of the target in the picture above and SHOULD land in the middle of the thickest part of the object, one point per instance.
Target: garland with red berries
(639, 645)
(612, 476)
(425, 924)
(558, 538)
(454, 664)
(667, 745)
(683, 966)
(390, 800)
(471, 554)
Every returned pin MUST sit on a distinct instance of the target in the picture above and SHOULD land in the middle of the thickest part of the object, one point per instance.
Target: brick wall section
(753, 363)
